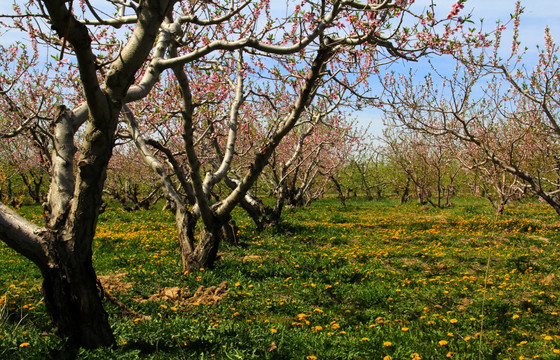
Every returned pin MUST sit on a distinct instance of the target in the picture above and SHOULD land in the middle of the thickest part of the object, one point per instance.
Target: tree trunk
(406, 190)
(186, 224)
(230, 232)
(205, 253)
(73, 301)
(339, 190)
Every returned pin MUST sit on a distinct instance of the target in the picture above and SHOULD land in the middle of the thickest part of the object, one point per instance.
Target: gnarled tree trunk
(62, 249)
(72, 298)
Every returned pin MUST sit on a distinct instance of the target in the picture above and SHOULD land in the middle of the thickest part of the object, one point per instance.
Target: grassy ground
(372, 280)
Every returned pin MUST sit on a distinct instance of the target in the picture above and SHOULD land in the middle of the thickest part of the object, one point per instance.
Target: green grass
(365, 281)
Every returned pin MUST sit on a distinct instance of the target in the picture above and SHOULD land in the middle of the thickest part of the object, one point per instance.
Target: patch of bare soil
(254, 258)
(209, 295)
(463, 304)
(173, 294)
(181, 296)
(549, 280)
(540, 238)
(114, 283)
(535, 249)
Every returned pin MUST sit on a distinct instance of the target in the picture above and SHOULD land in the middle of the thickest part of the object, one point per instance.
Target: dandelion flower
(25, 344)
(404, 329)
(443, 342)
(387, 343)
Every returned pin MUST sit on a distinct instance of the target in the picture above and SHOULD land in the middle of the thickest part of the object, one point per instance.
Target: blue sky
(538, 14)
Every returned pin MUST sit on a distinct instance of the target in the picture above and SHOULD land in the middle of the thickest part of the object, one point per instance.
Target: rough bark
(185, 223)
(205, 253)
(63, 248)
(72, 299)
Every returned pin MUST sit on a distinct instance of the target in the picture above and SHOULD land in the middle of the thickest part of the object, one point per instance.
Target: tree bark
(205, 253)
(63, 248)
(338, 190)
(72, 298)
(185, 223)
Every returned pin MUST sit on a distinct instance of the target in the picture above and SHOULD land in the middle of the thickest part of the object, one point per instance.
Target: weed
(370, 280)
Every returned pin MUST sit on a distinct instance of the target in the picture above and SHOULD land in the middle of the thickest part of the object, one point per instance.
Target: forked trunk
(205, 253)
(264, 216)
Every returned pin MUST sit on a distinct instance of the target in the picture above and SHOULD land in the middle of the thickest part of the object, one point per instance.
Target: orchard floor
(372, 280)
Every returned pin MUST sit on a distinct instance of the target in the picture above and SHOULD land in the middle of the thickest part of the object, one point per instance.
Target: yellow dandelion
(404, 329)
(548, 338)
(25, 344)
(387, 343)
(443, 342)
(387, 358)
(453, 321)
(365, 339)
(273, 330)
